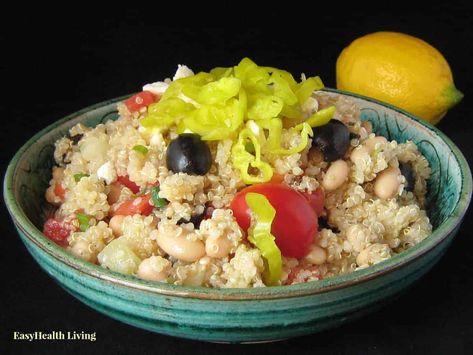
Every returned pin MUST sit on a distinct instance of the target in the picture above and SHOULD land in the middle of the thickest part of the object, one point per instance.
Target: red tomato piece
(208, 211)
(59, 190)
(140, 100)
(125, 181)
(139, 205)
(295, 224)
(58, 231)
(316, 200)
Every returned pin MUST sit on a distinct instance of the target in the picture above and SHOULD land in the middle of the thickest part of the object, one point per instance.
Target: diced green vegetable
(140, 149)
(158, 202)
(118, 256)
(84, 221)
(79, 176)
(260, 235)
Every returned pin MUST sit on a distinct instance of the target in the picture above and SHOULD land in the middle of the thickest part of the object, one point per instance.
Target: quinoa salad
(235, 178)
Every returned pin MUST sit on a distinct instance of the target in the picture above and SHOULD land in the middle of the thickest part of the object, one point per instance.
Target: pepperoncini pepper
(260, 235)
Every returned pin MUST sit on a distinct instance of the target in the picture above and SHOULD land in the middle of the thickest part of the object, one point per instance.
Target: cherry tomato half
(295, 223)
(316, 200)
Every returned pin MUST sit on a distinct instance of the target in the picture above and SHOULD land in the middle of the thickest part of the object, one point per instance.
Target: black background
(52, 66)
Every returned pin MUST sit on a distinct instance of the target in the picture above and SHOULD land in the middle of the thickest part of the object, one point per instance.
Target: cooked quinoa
(114, 167)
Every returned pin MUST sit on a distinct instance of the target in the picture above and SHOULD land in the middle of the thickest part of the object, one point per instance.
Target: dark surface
(53, 68)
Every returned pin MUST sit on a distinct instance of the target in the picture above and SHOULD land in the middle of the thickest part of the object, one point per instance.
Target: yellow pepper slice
(260, 235)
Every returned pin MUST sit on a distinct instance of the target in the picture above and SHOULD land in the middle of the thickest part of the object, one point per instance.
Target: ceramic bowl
(241, 315)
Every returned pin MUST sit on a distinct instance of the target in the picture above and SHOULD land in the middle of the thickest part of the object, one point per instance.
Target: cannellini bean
(218, 247)
(370, 143)
(317, 255)
(335, 175)
(116, 225)
(114, 193)
(180, 247)
(154, 268)
(82, 249)
(359, 153)
(386, 184)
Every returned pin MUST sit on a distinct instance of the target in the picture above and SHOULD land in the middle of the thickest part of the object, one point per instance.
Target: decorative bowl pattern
(241, 315)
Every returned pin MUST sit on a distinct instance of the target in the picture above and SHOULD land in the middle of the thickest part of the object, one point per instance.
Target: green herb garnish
(79, 176)
(83, 221)
(157, 201)
(140, 149)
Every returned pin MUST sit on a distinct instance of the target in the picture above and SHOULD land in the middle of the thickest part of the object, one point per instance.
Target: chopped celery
(118, 256)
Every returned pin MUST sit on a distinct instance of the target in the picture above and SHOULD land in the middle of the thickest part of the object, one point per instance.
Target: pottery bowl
(241, 315)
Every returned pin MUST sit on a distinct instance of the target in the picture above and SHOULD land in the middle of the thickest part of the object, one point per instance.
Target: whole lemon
(399, 69)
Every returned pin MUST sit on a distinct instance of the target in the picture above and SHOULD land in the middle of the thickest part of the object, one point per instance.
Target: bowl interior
(449, 187)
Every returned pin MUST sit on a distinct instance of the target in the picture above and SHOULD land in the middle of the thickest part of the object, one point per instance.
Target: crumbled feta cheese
(157, 88)
(182, 71)
(107, 173)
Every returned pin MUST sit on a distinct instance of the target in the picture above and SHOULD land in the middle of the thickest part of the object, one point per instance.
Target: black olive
(195, 220)
(354, 136)
(188, 154)
(332, 139)
(323, 224)
(75, 139)
(406, 170)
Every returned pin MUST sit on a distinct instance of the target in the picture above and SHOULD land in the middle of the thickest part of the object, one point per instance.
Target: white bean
(335, 175)
(180, 247)
(387, 183)
(358, 153)
(154, 268)
(370, 143)
(218, 247)
(317, 255)
(116, 225)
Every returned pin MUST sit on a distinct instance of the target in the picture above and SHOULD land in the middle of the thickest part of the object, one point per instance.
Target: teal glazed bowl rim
(31, 232)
